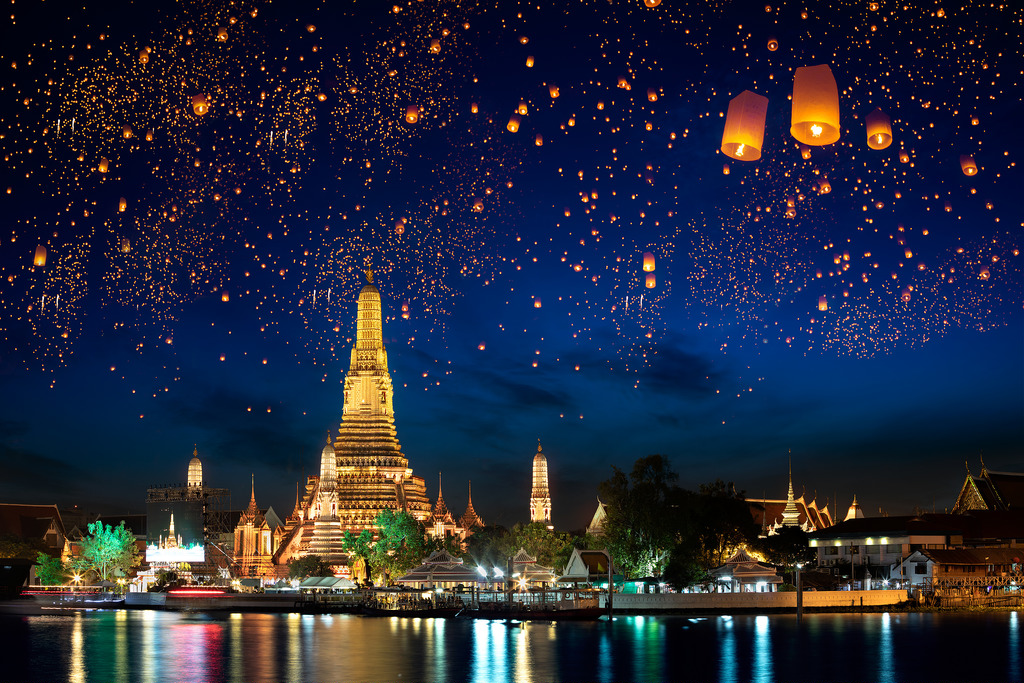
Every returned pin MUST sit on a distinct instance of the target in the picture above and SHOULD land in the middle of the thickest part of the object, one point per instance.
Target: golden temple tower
(540, 499)
(372, 473)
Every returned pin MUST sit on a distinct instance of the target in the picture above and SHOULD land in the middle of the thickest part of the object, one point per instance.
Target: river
(121, 646)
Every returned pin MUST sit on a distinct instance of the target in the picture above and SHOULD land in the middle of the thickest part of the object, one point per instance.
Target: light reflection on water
(131, 646)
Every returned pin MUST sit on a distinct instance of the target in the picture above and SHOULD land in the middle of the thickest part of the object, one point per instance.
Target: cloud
(31, 477)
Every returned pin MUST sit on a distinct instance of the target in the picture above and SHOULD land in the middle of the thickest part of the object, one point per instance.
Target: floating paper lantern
(822, 303)
(648, 261)
(539, 140)
(652, 95)
(652, 3)
(103, 165)
(200, 105)
(412, 114)
(744, 126)
(144, 55)
(513, 123)
(126, 245)
(879, 129)
(311, 28)
(222, 35)
(651, 281)
(824, 187)
(815, 119)
(39, 260)
(536, 302)
(553, 91)
(478, 205)
(435, 46)
(805, 152)
(529, 61)
(905, 294)
(725, 169)
(904, 157)
(474, 108)
(122, 205)
(224, 296)
(773, 44)
(967, 164)
(523, 110)
(149, 135)
(126, 132)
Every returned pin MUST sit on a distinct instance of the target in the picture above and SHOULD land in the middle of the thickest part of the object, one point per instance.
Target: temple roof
(470, 518)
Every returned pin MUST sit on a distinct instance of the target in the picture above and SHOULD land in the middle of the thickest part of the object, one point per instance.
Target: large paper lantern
(40, 257)
(879, 129)
(815, 106)
(967, 164)
(648, 261)
(200, 105)
(744, 126)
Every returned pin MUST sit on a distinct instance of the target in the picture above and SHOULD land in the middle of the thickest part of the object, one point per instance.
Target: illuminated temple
(364, 471)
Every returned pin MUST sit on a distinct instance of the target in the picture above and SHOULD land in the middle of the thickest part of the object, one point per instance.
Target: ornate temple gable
(470, 519)
(970, 497)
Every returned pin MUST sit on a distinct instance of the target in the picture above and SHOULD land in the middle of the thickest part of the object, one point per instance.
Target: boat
(541, 605)
(390, 603)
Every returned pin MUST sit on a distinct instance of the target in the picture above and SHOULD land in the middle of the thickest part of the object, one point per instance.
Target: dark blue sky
(724, 366)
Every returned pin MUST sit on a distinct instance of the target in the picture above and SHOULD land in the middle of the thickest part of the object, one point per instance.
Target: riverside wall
(726, 602)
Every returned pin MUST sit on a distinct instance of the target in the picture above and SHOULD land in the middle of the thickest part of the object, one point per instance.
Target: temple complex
(772, 514)
(254, 541)
(540, 498)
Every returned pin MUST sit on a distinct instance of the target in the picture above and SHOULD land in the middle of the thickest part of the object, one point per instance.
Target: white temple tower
(540, 498)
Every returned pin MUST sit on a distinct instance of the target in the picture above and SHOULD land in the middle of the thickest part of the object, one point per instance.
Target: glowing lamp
(435, 46)
(652, 95)
(200, 105)
(222, 35)
(224, 296)
(103, 165)
(822, 303)
(474, 108)
(144, 55)
(905, 294)
(652, 3)
(553, 91)
(523, 110)
(773, 44)
(967, 164)
(815, 119)
(536, 302)
(648, 262)
(539, 140)
(39, 260)
(879, 129)
(824, 187)
(127, 132)
(652, 281)
(412, 114)
(805, 152)
(744, 126)
(122, 205)
(725, 169)
(513, 123)
(529, 61)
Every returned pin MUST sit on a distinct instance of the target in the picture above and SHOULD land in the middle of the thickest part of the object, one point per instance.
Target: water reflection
(145, 646)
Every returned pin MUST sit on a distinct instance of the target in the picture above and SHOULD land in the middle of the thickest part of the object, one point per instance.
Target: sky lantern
(904, 157)
(474, 108)
(126, 131)
(744, 126)
(144, 55)
(405, 309)
(648, 262)
(478, 205)
(435, 46)
(815, 119)
(967, 164)
(652, 95)
(553, 91)
(513, 123)
(529, 61)
(805, 152)
(624, 83)
(103, 165)
(824, 187)
(126, 245)
(400, 226)
(149, 135)
(224, 296)
(122, 205)
(651, 281)
(773, 44)
(879, 129)
(539, 140)
(200, 105)
(822, 303)
(222, 34)
(39, 260)
(652, 3)
(983, 273)
(412, 114)
(725, 169)
(905, 294)
(536, 302)
(523, 110)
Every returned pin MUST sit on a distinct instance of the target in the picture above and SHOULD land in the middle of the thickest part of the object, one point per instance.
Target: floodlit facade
(540, 497)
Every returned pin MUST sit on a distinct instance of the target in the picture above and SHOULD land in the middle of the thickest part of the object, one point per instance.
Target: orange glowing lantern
(435, 46)
(103, 165)
(725, 169)
(744, 126)
(144, 56)
(815, 119)
(412, 114)
(523, 110)
(805, 152)
(652, 3)
(824, 187)
(474, 108)
(773, 44)
(529, 61)
(224, 296)
(879, 129)
(126, 132)
(39, 261)
(200, 105)
(222, 34)
(539, 140)
(651, 281)
(967, 164)
(513, 123)
(648, 262)
(652, 95)
(553, 91)
(122, 205)
(536, 302)
(822, 303)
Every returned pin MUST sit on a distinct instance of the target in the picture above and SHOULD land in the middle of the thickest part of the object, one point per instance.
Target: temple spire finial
(369, 274)
(439, 494)
(539, 449)
(195, 450)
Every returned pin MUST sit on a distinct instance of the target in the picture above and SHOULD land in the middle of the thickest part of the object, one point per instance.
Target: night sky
(210, 179)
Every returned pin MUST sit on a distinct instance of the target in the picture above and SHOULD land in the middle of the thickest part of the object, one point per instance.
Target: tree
(109, 551)
(786, 547)
(310, 565)
(12, 546)
(641, 524)
(360, 546)
(401, 544)
(50, 570)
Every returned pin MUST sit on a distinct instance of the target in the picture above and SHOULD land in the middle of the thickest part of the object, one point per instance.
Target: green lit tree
(360, 547)
(310, 565)
(50, 570)
(401, 544)
(109, 551)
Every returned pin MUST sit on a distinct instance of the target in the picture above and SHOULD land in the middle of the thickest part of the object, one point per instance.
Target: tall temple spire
(791, 513)
(371, 471)
(469, 518)
(540, 497)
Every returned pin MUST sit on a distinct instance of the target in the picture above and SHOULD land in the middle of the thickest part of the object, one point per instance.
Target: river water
(121, 646)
